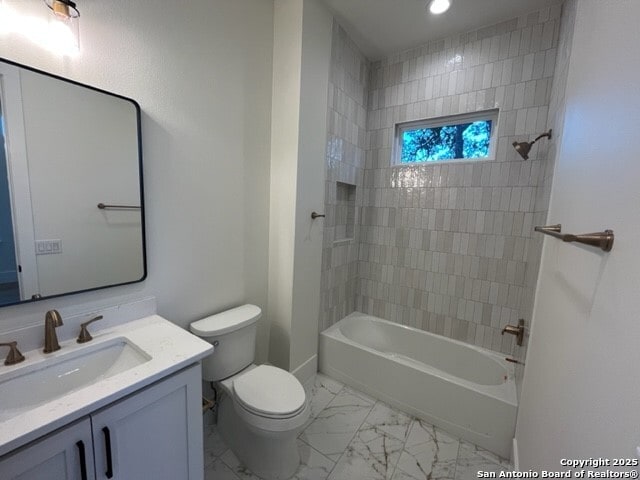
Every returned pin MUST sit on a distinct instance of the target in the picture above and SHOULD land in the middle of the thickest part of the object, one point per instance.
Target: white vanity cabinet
(153, 433)
(64, 455)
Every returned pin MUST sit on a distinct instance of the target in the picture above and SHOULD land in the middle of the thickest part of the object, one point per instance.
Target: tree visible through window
(432, 143)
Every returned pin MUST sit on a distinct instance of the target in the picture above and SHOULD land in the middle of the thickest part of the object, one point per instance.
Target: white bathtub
(468, 391)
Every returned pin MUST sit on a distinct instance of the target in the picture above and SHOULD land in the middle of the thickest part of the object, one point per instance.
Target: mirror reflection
(71, 212)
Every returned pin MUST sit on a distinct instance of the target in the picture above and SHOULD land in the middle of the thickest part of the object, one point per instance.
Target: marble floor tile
(471, 459)
(242, 472)
(354, 437)
(217, 470)
(371, 455)
(349, 396)
(332, 430)
(313, 465)
(321, 390)
(389, 420)
(320, 380)
(429, 453)
(214, 446)
(467, 448)
(335, 456)
(400, 475)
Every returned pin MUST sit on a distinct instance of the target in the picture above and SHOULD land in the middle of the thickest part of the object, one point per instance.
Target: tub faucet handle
(518, 331)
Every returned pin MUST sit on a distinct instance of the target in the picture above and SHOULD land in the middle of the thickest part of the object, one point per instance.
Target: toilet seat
(269, 392)
(290, 413)
(268, 415)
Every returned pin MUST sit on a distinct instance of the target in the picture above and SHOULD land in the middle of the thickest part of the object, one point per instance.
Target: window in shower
(460, 137)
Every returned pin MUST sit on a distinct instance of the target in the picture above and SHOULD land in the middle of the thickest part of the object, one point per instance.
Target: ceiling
(382, 27)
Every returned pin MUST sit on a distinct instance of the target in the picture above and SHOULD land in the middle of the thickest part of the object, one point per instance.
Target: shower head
(523, 148)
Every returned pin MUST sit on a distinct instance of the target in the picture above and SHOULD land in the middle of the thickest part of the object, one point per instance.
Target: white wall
(580, 391)
(202, 75)
(285, 113)
(302, 50)
(316, 57)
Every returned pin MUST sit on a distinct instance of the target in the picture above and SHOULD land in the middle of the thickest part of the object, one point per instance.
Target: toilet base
(269, 455)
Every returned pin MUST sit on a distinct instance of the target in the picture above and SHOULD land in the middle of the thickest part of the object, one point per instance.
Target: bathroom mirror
(71, 201)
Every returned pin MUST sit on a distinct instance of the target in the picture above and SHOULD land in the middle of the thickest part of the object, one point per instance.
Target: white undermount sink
(24, 388)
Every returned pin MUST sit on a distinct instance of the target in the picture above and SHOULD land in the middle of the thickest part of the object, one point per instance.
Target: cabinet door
(64, 455)
(155, 433)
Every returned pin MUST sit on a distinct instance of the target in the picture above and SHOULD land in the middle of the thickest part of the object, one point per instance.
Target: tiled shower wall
(446, 247)
(346, 137)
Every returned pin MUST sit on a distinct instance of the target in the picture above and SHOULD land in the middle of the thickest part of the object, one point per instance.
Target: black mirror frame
(140, 175)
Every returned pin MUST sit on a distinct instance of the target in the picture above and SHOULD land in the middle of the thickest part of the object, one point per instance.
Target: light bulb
(439, 6)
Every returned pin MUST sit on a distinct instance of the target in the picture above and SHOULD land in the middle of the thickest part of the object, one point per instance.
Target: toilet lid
(269, 391)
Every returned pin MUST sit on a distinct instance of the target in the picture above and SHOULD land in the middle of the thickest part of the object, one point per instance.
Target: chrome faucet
(517, 331)
(52, 320)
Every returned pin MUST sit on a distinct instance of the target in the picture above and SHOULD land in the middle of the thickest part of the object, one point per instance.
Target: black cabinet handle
(83, 460)
(107, 441)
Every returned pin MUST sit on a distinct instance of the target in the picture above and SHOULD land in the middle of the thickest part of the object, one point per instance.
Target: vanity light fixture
(57, 31)
(64, 9)
(439, 6)
(523, 148)
(65, 35)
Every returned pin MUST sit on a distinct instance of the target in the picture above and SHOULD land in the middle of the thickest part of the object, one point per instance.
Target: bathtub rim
(505, 392)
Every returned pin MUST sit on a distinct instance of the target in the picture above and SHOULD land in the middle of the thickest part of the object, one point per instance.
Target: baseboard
(307, 369)
(514, 455)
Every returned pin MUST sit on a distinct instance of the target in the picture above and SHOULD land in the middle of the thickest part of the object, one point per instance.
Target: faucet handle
(14, 356)
(517, 331)
(85, 336)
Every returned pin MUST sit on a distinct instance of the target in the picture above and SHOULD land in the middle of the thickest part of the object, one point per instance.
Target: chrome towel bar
(602, 240)
(104, 206)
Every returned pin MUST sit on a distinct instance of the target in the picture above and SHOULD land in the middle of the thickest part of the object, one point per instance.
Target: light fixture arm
(548, 134)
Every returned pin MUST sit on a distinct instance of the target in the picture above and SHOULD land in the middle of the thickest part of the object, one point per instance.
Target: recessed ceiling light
(439, 6)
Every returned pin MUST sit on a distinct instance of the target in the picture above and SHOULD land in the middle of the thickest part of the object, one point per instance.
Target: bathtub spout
(511, 329)
(513, 360)
(517, 331)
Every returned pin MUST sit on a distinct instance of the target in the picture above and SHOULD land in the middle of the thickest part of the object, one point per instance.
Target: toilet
(261, 408)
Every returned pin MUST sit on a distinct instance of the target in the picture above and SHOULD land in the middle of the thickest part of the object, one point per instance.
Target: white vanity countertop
(170, 347)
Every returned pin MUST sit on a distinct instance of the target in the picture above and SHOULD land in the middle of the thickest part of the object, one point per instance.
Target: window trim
(491, 114)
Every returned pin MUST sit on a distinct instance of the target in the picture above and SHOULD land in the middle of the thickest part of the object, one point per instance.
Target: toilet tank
(233, 336)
